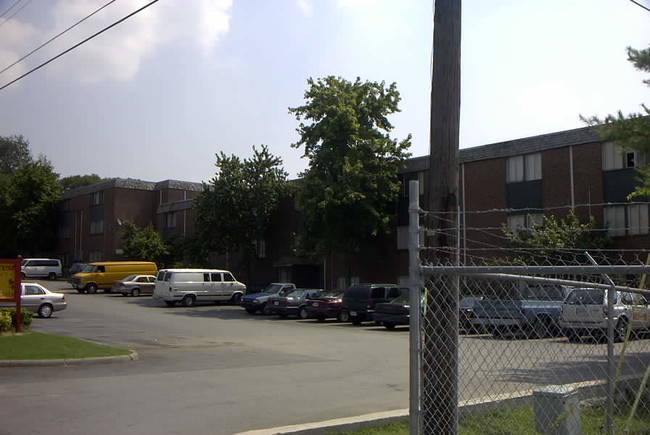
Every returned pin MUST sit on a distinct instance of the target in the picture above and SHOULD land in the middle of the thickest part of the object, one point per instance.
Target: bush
(8, 318)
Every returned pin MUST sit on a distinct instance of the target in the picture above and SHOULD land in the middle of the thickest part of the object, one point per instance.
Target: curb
(339, 424)
(133, 356)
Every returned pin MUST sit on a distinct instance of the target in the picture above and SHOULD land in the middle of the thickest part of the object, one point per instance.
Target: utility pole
(440, 325)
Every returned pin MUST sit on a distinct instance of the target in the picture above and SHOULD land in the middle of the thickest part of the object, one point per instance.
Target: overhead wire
(57, 36)
(10, 8)
(18, 10)
(80, 43)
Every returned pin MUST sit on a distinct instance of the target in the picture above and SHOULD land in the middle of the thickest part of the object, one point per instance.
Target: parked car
(585, 312)
(255, 302)
(533, 310)
(359, 300)
(103, 274)
(39, 300)
(189, 286)
(327, 305)
(292, 303)
(466, 308)
(49, 268)
(395, 312)
(135, 285)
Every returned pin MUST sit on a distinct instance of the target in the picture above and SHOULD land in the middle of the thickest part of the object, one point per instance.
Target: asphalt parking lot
(216, 369)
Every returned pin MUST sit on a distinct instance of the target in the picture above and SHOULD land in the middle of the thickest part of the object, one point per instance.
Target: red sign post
(10, 287)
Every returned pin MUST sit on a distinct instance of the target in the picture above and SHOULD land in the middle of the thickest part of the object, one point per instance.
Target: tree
(351, 181)
(631, 131)
(557, 240)
(14, 154)
(30, 196)
(234, 209)
(143, 243)
(75, 181)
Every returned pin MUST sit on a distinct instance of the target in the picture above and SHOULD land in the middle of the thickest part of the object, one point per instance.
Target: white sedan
(40, 300)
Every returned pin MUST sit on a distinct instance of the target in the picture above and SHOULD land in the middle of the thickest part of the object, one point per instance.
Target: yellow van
(102, 275)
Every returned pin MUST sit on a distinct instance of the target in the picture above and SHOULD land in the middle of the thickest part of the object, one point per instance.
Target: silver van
(585, 312)
(189, 286)
(49, 268)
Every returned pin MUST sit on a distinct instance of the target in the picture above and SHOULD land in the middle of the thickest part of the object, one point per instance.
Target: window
(523, 222)
(629, 219)
(95, 255)
(524, 168)
(215, 277)
(227, 277)
(260, 248)
(97, 227)
(33, 290)
(98, 197)
(616, 157)
(170, 220)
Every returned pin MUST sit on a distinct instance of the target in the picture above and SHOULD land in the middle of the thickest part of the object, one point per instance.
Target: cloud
(117, 53)
(306, 7)
(17, 40)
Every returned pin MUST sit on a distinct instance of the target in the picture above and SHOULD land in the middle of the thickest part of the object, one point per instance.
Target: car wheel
(51, 276)
(135, 292)
(572, 336)
(250, 310)
(171, 303)
(264, 310)
(344, 316)
(22, 275)
(320, 319)
(236, 299)
(542, 328)
(125, 294)
(356, 320)
(389, 326)
(45, 310)
(188, 301)
(91, 288)
(621, 330)
(303, 313)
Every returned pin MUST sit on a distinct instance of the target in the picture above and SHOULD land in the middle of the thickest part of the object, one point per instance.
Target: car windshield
(331, 294)
(586, 297)
(272, 288)
(295, 294)
(87, 268)
(402, 299)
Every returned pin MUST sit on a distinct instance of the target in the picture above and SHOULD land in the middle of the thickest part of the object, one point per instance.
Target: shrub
(8, 318)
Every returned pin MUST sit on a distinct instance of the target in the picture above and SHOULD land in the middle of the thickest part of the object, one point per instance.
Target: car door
(32, 297)
(216, 286)
(228, 285)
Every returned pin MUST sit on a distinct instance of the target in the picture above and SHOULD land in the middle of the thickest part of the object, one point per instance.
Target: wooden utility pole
(440, 326)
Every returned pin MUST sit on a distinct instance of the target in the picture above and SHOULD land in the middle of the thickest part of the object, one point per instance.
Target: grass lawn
(35, 345)
(521, 421)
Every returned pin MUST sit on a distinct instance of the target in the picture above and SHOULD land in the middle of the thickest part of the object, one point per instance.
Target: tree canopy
(29, 194)
(351, 181)
(632, 131)
(234, 208)
(75, 181)
(143, 243)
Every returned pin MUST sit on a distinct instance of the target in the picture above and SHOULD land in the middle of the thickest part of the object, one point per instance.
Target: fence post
(415, 285)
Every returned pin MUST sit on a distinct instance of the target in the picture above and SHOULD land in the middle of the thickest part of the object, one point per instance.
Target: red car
(325, 306)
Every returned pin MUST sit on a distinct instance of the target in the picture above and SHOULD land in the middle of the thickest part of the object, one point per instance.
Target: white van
(49, 268)
(189, 286)
(585, 312)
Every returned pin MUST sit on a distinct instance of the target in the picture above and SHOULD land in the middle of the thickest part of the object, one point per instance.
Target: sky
(159, 95)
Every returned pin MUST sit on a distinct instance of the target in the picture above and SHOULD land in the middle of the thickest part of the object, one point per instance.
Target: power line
(55, 37)
(10, 8)
(80, 43)
(14, 14)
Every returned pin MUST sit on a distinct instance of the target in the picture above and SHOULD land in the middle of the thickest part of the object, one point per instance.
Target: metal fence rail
(554, 345)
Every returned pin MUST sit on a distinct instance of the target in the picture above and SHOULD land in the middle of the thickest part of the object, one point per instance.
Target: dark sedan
(292, 303)
(395, 312)
(324, 306)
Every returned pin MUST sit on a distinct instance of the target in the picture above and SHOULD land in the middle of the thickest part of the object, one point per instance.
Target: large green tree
(351, 181)
(632, 131)
(14, 154)
(234, 208)
(74, 181)
(143, 243)
(557, 240)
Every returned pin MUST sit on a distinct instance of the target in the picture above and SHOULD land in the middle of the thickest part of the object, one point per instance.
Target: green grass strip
(36, 345)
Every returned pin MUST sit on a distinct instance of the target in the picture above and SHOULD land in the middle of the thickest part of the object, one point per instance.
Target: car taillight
(369, 305)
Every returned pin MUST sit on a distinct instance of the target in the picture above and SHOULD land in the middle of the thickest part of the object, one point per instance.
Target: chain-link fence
(557, 343)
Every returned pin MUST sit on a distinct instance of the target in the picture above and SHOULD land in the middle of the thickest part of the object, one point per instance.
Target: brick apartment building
(510, 183)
